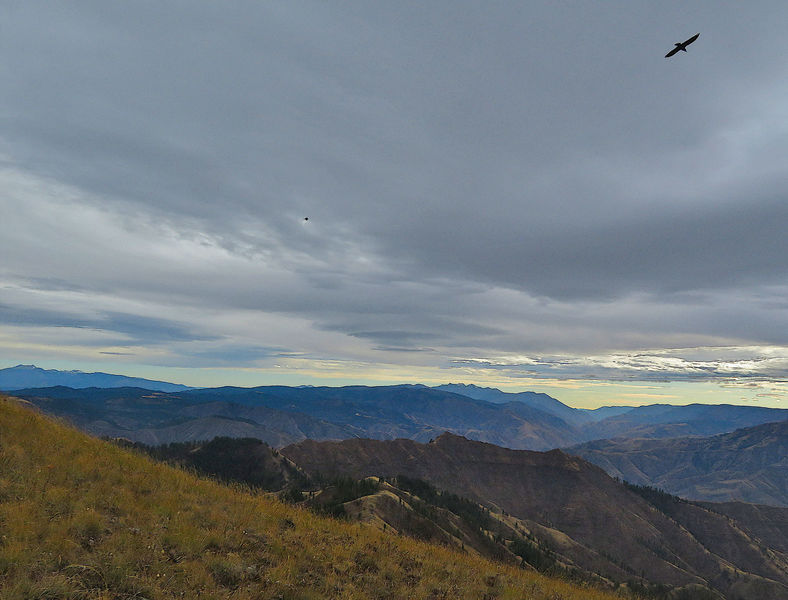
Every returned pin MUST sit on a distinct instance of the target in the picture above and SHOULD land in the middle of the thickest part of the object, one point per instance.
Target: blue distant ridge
(30, 376)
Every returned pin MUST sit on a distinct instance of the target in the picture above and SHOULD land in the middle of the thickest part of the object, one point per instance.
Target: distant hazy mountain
(30, 376)
(280, 415)
(536, 400)
(154, 417)
(407, 411)
(603, 412)
(749, 465)
(586, 517)
(668, 421)
(576, 416)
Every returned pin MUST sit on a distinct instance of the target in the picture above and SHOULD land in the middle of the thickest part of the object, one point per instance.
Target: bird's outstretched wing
(682, 46)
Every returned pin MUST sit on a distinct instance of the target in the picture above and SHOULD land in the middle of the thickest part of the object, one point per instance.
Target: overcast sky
(522, 194)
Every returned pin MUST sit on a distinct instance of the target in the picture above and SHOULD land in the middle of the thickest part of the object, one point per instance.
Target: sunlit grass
(84, 519)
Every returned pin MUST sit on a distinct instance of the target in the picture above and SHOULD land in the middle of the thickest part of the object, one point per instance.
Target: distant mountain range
(666, 420)
(152, 417)
(749, 464)
(543, 402)
(281, 415)
(590, 521)
(30, 376)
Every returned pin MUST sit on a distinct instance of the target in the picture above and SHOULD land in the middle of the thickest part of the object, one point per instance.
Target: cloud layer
(482, 185)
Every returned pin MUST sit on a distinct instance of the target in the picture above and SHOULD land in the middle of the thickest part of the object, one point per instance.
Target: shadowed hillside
(81, 518)
(769, 524)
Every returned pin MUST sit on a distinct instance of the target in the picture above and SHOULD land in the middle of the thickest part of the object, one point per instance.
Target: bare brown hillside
(593, 520)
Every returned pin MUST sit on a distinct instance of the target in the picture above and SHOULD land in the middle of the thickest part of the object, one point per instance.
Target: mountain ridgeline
(29, 376)
(281, 415)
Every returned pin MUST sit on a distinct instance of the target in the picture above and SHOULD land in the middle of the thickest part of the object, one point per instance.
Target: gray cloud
(227, 353)
(742, 367)
(480, 181)
(129, 328)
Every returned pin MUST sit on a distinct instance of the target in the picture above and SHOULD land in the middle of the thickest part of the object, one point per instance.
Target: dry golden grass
(81, 518)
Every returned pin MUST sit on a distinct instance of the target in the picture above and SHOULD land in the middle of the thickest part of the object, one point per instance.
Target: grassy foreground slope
(81, 518)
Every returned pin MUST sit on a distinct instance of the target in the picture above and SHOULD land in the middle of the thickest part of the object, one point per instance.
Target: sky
(519, 194)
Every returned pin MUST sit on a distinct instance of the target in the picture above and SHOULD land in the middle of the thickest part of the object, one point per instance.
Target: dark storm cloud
(491, 179)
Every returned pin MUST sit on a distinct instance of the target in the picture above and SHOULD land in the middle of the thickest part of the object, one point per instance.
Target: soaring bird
(682, 46)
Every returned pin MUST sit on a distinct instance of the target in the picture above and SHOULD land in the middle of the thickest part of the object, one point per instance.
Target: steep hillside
(240, 460)
(749, 465)
(401, 504)
(80, 518)
(769, 524)
(596, 522)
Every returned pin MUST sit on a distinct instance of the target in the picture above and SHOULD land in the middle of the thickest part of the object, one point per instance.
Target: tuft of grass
(84, 519)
